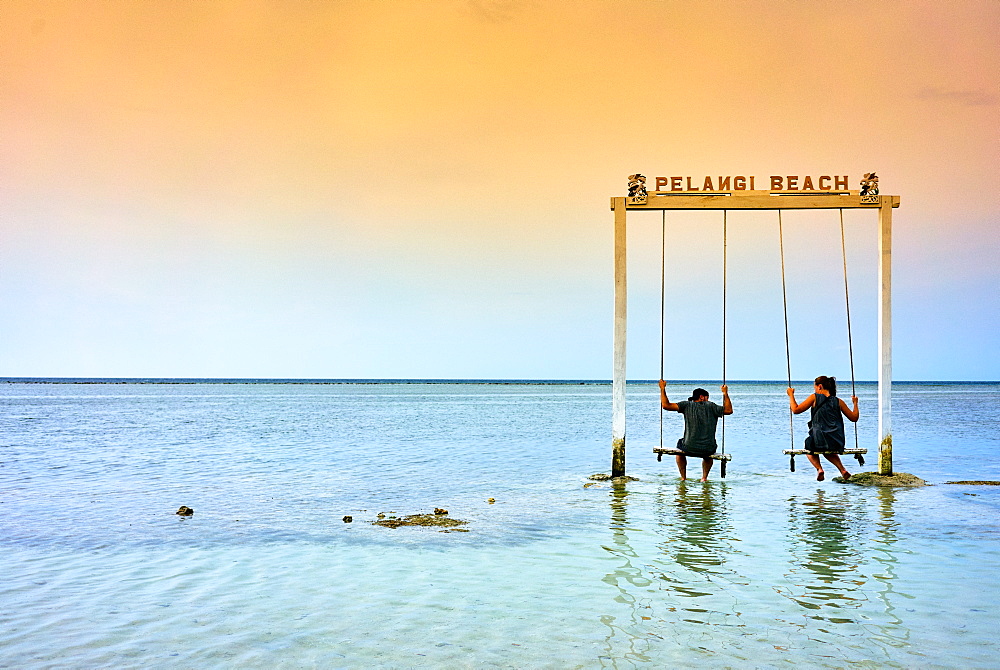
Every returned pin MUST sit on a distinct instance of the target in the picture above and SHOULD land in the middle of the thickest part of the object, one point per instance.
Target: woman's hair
(828, 383)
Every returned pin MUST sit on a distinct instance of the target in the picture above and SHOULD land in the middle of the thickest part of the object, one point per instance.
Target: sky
(413, 189)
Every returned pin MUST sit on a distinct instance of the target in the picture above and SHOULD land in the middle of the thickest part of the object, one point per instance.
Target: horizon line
(429, 380)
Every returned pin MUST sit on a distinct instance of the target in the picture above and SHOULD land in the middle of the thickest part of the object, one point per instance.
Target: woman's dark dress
(826, 427)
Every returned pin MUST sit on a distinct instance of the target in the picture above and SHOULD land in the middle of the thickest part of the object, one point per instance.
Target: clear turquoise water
(765, 569)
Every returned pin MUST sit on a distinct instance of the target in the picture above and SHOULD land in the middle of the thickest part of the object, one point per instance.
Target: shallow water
(765, 568)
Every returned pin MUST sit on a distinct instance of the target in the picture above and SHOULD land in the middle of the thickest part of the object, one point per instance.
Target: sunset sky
(420, 189)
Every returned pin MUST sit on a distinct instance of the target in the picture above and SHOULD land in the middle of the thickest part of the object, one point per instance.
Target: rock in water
(875, 479)
(438, 520)
(976, 482)
(185, 511)
(601, 477)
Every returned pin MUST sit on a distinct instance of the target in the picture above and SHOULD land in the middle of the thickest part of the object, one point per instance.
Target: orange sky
(194, 168)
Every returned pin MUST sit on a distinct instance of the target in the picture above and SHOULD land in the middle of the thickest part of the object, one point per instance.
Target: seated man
(700, 419)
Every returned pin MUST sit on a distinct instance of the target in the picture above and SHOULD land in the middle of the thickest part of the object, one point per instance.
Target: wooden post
(621, 309)
(885, 336)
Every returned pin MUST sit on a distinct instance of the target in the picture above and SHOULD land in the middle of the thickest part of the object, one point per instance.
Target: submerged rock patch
(437, 520)
(976, 483)
(875, 479)
(601, 477)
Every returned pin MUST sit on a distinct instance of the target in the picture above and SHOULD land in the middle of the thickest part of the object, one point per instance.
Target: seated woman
(826, 425)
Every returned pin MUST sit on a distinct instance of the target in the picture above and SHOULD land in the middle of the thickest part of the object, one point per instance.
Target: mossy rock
(601, 477)
(875, 479)
(437, 520)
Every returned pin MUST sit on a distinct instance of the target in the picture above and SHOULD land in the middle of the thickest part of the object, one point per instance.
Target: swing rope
(784, 302)
(663, 265)
(724, 286)
(725, 283)
(847, 301)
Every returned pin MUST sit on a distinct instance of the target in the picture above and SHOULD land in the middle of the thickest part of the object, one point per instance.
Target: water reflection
(696, 547)
(694, 518)
(825, 532)
(626, 644)
(843, 571)
(891, 632)
(695, 576)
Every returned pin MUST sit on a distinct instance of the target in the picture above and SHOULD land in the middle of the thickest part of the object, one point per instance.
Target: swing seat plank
(677, 452)
(792, 453)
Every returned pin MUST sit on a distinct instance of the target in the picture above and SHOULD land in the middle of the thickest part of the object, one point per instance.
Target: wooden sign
(735, 184)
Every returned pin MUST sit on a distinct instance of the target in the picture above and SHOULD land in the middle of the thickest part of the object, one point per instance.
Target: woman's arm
(806, 404)
(664, 403)
(851, 414)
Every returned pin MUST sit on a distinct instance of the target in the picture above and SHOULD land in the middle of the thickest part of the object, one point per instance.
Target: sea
(765, 568)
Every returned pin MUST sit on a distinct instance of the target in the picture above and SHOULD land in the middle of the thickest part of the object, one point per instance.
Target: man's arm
(727, 404)
(664, 403)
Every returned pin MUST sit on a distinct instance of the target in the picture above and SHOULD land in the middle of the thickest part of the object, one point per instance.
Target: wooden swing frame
(753, 200)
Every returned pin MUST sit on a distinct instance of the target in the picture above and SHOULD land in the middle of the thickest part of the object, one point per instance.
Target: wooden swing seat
(802, 452)
(792, 453)
(677, 452)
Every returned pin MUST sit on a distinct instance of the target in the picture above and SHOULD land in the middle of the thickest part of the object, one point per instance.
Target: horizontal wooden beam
(657, 200)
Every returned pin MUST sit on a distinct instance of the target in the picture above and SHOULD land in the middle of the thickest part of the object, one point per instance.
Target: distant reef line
(375, 381)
